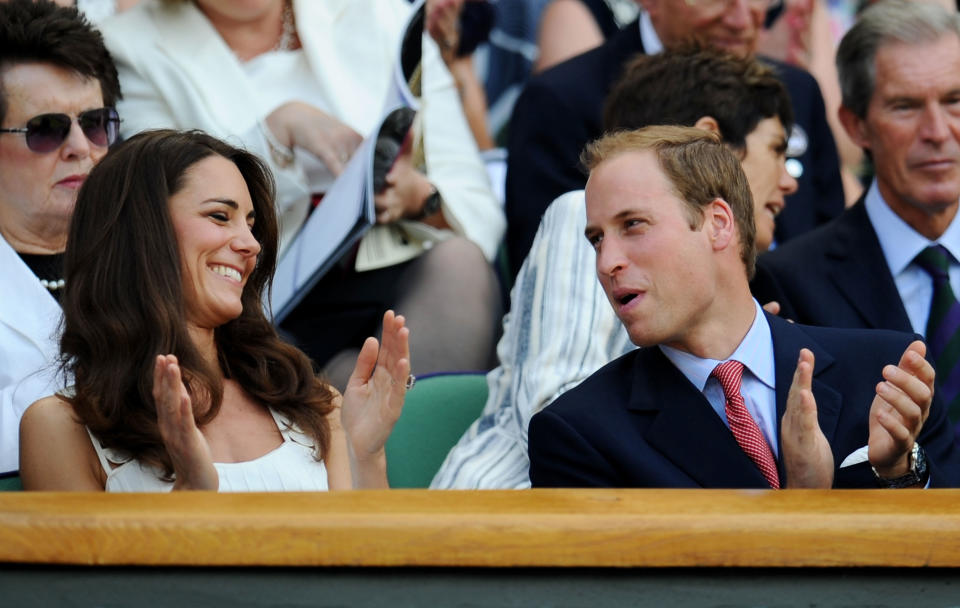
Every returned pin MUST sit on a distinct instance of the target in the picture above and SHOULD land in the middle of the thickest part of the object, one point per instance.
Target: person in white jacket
(58, 86)
(300, 83)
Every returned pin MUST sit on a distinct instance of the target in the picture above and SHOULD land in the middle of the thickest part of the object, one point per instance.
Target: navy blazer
(561, 110)
(638, 421)
(837, 276)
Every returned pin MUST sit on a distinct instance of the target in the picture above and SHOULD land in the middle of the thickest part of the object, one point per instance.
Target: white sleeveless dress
(290, 467)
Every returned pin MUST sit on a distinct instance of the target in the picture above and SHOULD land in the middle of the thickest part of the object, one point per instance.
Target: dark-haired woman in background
(175, 365)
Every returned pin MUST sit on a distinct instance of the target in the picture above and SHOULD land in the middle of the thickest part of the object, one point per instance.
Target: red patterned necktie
(742, 425)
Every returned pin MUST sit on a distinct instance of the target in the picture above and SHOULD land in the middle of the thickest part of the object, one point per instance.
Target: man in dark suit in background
(560, 111)
(722, 394)
(891, 260)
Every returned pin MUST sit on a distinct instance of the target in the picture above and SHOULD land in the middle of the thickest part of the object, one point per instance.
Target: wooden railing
(585, 528)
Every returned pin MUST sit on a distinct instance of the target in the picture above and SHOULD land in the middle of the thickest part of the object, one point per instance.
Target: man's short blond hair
(699, 169)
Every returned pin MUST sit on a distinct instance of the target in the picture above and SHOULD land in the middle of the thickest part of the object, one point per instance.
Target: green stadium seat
(437, 411)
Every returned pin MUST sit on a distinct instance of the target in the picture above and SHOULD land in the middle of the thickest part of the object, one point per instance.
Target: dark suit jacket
(765, 288)
(561, 110)
(638, 421)
(837, 276)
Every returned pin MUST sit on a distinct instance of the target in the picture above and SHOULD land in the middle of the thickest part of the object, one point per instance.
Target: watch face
(919, 463)
(432, 204)
(917, 475)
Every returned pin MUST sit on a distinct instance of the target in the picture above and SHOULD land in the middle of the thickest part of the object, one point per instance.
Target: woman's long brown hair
(124, 303)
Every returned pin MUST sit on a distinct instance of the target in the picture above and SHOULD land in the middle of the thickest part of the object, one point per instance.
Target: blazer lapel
(352, 72)
(686, 429)
(860, 272)
(27, 307)
(788, 339)
(189, 40)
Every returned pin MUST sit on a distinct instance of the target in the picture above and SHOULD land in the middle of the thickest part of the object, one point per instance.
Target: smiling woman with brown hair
(175, 365)
(300, 83)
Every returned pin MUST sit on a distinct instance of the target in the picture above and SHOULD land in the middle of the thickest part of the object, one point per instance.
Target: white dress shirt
(648, 35)
(758, 388)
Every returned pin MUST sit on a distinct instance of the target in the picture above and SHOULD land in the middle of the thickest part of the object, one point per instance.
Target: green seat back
(10, 484)
(437, 411)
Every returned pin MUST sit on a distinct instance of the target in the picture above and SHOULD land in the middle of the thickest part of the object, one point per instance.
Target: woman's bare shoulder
(55, 449)
(54, 409)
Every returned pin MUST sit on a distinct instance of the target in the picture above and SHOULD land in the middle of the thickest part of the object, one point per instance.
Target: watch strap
(918, 475)
(431, 205)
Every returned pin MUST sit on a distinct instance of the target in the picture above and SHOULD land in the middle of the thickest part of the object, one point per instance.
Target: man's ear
(855, 126)
(720, 224)
(708, 123)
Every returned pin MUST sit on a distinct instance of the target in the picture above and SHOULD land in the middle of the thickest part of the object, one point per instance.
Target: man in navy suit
(858, 271)
(899, 70)
(722, 394)
(561, 109)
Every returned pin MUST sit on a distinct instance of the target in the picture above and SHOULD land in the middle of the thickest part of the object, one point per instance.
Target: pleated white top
(290, 467)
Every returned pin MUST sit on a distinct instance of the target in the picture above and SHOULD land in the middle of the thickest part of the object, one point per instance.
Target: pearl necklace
(289, 30)
(288, 34)
(53, 285)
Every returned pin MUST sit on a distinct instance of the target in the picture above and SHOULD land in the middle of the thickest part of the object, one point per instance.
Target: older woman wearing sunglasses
(58, 86)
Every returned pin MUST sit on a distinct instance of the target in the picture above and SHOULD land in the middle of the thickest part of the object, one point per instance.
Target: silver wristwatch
(917, 475)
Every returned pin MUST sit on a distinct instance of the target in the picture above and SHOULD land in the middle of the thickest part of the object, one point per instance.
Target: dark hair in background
(124, 302)
(679, 87)
(44, 32)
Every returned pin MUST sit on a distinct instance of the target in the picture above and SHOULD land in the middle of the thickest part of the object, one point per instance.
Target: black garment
(603, 16)
(765, 288)
(837, 276)
(342, 310)
(48, 267)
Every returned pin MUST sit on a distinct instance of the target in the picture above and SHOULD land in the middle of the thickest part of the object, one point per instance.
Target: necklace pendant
(288, 31)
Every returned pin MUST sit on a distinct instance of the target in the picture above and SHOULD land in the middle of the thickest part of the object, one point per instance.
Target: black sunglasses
(46, 132)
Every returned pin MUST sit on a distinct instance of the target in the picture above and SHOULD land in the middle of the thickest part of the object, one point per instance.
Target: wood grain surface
(603, 528)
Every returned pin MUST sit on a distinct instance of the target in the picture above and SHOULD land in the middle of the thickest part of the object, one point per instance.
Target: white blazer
(29, 320)
(177, 72)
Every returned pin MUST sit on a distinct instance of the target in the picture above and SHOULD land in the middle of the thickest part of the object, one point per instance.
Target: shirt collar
(648, 35)
(755, 352)
(899, 242)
